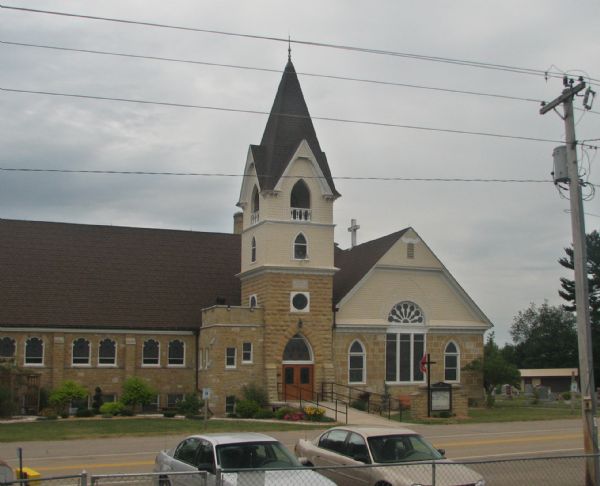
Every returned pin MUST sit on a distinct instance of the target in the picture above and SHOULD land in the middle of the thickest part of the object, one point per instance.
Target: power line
(323, 118)
(221, 174)
(279, 71)
(460, 62)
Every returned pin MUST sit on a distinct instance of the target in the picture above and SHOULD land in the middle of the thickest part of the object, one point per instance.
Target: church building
(276, 303)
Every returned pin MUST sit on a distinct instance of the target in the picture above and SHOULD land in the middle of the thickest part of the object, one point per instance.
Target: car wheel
(163, 481)
(382, 483)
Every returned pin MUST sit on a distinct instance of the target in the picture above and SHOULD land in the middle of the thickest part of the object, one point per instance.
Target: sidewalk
(355, 417)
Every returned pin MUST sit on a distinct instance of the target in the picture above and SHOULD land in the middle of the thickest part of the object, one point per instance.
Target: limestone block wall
(281, 323)
(58, 363)
(214, 373)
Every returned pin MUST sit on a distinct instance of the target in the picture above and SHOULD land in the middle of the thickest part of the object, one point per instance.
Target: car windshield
(255, 455)
(402, 448)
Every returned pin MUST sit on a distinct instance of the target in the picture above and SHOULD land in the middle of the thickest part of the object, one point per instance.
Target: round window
(300, 301)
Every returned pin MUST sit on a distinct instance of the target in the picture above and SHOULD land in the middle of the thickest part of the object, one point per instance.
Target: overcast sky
(501, 241)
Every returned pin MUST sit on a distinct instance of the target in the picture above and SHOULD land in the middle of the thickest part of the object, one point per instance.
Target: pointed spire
(289, 123)
(289, 48)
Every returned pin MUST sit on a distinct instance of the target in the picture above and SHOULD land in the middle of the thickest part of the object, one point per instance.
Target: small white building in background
(557, 379)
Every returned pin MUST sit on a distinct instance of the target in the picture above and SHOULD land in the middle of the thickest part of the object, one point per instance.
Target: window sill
(176, 365)
(81, 365)
(34, 365)
(150, 365)
(107, 365)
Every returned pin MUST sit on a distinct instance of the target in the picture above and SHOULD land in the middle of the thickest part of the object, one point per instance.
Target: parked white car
(267, 461)
(374, 456)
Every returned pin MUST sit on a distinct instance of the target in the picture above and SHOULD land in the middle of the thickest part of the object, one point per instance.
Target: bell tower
(287, 267)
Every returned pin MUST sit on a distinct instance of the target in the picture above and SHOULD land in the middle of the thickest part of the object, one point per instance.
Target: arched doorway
(298, 369)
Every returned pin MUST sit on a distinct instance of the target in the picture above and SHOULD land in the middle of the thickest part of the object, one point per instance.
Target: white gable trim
(454, 285)
(304, 152)
(249, 181)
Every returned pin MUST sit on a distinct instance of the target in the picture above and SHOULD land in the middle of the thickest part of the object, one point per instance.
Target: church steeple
(289, 123)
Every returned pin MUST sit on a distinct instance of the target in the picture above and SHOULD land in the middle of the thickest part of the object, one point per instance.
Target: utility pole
(584, 334)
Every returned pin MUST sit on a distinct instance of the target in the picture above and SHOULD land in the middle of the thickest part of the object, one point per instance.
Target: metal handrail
(316, 402)
(384, 399)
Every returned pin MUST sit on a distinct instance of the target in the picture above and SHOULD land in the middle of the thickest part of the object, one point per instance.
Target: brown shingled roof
(289, 123)
(354, 263)
(73, 275)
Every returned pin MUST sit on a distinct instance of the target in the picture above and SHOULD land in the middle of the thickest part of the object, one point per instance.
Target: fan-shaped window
(107, 352)
(81, 352)
(34, 351)
(451, 362)
(297, 349)
(253, 250)
(406, 313)
(151, 353)
(7, 347)
(356, 363)
(300, 247)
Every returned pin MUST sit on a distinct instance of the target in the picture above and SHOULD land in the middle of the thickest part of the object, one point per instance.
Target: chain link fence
(543, 471)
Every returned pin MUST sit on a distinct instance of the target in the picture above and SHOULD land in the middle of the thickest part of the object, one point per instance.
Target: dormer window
(255, 206)
(300, 202)
(300, 247)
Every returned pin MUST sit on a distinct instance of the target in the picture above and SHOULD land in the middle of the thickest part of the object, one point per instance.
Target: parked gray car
(241, 458)
(382, 456)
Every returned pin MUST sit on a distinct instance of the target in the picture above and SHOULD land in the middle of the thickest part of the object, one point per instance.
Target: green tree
(66, 393)
(593, 276)
(496, 370)
(137, 392)
(544, 337)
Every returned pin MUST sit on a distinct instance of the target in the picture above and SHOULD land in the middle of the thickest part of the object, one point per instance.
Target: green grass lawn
(90, 428)
(506, 411)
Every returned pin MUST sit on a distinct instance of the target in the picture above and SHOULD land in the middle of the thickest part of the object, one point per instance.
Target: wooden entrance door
(298, 381)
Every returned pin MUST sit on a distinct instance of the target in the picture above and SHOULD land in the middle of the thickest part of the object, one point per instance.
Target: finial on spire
(289, 48)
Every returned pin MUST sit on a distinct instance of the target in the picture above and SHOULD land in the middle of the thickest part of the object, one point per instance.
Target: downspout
(196, 344)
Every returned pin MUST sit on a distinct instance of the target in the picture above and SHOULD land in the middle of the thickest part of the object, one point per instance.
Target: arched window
(151, 353)
(253, 250)
(300, 247)
(255, 200)
(107, 352)
(356, 363)
(405, 345)
(176, 353)
(451, 362)
(81, 352)
(7, 347)
(255, 206)
(300, 202)
(297, 349)
(34, 351)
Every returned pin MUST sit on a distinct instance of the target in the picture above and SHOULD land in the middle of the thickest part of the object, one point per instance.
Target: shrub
(67, 392)
(294, 416)
(97, 401)
(48, 413)
(84, 412)
(264, 413)
(137, 392)
(112, 408)
(190, 405)
(283, 411)
(314, 414)
(359, 405)
(7, 405)
(566, 395)
(256, 394)
(247, 408)
(64, 415)
(127, 412)
(445, 414)
(169, 414)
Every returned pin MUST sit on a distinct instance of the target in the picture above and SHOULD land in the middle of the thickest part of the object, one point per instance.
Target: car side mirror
(207, 466)
(304, 461)
(442, 451)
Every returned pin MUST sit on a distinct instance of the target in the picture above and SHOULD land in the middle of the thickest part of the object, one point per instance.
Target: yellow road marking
(467, 443)
(509, 441)
(81, 467)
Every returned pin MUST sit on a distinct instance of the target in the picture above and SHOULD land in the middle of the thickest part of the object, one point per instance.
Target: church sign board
(441, 397)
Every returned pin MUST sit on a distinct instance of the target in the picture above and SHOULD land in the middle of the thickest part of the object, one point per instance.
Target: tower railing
(301, 214)
(254, 217)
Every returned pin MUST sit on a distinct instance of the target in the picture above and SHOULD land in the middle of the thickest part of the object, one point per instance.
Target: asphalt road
(496, 441)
